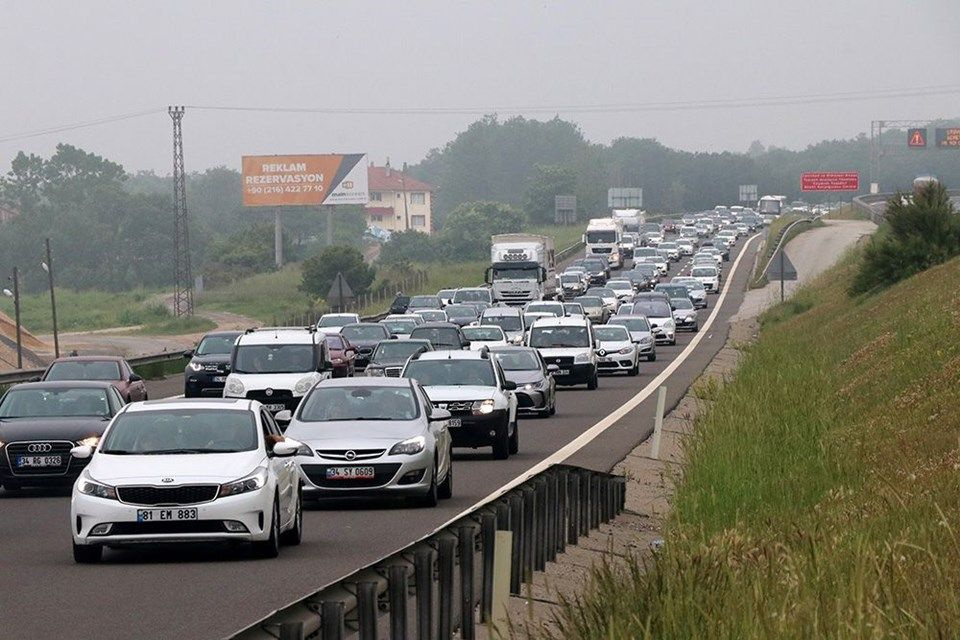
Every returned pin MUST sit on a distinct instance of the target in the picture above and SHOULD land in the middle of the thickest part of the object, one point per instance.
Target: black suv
(209, 364)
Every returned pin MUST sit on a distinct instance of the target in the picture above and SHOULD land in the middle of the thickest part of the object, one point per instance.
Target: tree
(545, 183)
(919, 232)
(408, 247)
(466, 234)
(319, 271)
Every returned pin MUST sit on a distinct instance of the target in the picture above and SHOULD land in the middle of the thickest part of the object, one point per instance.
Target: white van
(568, 344)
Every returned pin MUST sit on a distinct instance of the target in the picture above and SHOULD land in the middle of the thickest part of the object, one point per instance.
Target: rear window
(82, 370)
(438, 336)
(704, 272)
(653, 308)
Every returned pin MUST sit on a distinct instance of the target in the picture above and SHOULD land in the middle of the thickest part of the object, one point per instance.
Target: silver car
(367, 437)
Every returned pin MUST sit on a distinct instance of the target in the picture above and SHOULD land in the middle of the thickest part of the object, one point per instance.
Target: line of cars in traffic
(346, 408)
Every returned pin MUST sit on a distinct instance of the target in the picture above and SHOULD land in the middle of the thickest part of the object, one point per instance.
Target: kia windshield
(342, 404)
(559, 337)
(275, 358)
(451, 372)
(181, 431)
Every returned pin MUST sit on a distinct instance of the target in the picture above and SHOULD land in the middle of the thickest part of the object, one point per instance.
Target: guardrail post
(503, 515)
(465, 533)
(446, 548)
(331, 620)
(488, 532)
(551, 517)
(516, 525)
(423, 577)
(529, 531)
(595, 502)
(540, 542)
(562, 505)
(367, 610)
(291, 630)
(398, 602)
(605, 502)
(573, 507)
(585, 503)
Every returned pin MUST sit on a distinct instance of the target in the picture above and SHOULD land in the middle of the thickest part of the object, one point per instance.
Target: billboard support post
(278, 238)
(329, 225)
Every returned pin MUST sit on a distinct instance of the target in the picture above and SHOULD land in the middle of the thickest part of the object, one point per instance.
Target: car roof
(191, 403)
(436, 325)
(364, 381)
(59, 384)
(501, 311)
(565, 321)
(279, 336)
(222, 333)
(88, 359)
(485, 326)
(450, 354)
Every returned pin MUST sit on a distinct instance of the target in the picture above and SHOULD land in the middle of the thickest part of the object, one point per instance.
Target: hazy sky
(67, 62)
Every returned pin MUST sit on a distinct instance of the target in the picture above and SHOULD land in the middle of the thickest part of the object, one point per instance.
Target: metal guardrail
(780, 239)
(26, 375)
(866, 203)
(450, 572)
(563, 254)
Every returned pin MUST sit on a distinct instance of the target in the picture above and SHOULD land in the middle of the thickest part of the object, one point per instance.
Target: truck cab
(522, 269)
(602, 239)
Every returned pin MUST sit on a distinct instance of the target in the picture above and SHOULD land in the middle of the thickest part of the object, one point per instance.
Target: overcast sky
(67, 62)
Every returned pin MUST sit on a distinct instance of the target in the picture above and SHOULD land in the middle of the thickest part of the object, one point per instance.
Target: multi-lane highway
(206, 592)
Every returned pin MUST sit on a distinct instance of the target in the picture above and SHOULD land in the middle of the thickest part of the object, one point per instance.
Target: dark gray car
(536, 388)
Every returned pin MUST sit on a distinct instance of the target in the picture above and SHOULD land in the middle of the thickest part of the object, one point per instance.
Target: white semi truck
(630, 218)
(522, 268)
(602, 239)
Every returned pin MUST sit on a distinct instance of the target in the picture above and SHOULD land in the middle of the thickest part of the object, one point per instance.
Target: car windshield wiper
(176, 451)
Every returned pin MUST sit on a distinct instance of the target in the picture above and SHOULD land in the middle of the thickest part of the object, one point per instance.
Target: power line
(78, 125)
(719, 103)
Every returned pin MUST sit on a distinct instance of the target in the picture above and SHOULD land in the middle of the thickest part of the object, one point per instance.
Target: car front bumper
(612, 363)
(532, 401)
(578, 374)
(397, 475)
(253, 509)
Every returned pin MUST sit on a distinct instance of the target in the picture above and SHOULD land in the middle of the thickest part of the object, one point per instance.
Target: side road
(636, 532)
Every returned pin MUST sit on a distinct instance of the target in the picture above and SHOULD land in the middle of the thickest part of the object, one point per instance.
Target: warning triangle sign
(917, 138)
(774, 269)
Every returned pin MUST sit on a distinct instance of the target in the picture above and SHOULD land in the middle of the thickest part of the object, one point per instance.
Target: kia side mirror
(82, 452)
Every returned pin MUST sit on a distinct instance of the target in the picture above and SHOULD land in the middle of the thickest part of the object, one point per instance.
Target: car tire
(146, 397)
(501, 446)
(87, 553)
(293, 536)
(593, 382)
(652, 357)
(673, 342)
(431, 498)
(515, 439)
(270, 548)
(695, 328)
(636, 369)
(445, 490)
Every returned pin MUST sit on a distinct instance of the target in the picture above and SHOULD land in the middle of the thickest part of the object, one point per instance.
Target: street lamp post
(15, 294)
(48, 267)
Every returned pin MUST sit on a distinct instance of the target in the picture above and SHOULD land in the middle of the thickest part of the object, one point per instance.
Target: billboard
(830, 181)
(298, 180)
(625, 198)
(748, 192)
(948, 138)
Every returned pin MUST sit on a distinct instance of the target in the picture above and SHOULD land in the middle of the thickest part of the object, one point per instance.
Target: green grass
(85, 310)
(847, 212)
(821, 491)
(262, 297)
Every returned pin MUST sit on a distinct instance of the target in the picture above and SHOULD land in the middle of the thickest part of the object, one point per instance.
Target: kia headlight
(91, 441)
(483, 407)
(304, 384)
(409, 447)
(88, 487)
(582, 358)
(195, 366)
(253, 482)
(233, 388)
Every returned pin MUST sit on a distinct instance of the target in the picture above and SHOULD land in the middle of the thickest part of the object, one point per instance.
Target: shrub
(319, 271)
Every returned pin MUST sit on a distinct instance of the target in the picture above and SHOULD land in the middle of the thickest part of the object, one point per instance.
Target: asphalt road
(210, 591)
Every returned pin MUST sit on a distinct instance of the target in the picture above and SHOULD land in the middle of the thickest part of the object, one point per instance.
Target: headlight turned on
(252, 482)
(195, 366)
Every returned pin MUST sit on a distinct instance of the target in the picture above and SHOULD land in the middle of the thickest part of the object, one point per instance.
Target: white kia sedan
(188, 470)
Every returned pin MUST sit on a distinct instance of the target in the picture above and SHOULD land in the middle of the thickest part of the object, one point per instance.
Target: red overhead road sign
(916, 137)
(830, 181)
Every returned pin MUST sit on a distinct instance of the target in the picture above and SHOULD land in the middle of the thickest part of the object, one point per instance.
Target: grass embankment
(821, 493)
(847, 212)
(87, 310)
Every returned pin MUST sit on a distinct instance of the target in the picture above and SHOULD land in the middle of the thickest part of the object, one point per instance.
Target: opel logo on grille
(166, 480)
(39, 447)
(350, 455)
(269, 392)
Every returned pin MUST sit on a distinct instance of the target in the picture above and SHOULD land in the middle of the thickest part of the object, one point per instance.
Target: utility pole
(183, 286)
(406, 214)
(329, 231)
(16, 312)
(48, 267)
(278, 238)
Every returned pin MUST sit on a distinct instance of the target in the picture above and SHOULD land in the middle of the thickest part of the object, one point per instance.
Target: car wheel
(553, 404)
(673, 342)
(445, 490)
(146, 397)
(270, 548)
(294, 535)
(501, 446)
(87, 553)
(431, 498)
(652, 357)
(636, 369)
(695, 328)
(594, 382)
(515, 439)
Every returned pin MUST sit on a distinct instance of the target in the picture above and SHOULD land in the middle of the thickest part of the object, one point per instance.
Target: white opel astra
(194, 470)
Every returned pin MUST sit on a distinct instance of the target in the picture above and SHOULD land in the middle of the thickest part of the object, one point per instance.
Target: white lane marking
(605, 423)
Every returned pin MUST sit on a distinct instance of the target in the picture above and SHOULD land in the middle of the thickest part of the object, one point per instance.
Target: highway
(209, 591)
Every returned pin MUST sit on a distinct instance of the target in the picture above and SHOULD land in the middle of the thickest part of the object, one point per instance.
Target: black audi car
(209, 365)
(41, 421)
